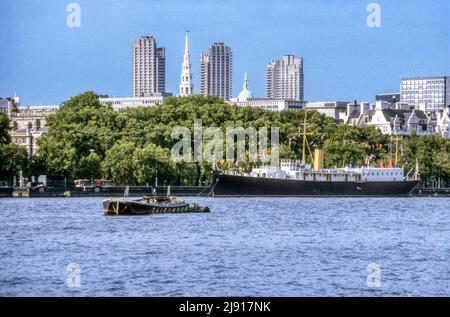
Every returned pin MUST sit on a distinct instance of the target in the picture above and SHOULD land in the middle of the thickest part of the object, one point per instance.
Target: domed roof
(245, 94)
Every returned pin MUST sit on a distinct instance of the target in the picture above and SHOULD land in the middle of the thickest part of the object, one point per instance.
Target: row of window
(423, 81)
(421, 93)
(381, 173)
(438, 85)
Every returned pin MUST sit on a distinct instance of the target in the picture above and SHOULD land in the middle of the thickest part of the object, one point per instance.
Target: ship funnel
(318, 159)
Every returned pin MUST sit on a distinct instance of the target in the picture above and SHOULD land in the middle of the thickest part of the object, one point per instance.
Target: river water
(244, 247)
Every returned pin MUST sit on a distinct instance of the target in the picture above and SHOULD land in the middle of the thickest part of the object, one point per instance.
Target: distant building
(29, 124)
(186, 85)
(4, 105)
(127, 102)
(393, 121)
(426, 93)
(443, 122)
(245, 93)
(337, 110)
(392, 98)
(9, 106)
(354, 111)
(216, 69)
(246, 99)
(270, 104)
(284, 78)
(149, 68)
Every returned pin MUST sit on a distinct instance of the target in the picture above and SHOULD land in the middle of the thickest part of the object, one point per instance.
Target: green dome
(245, 94)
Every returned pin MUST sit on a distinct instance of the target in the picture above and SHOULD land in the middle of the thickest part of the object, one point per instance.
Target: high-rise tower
(216, 71)
(186, 85)
(285, 78)
(149, 68)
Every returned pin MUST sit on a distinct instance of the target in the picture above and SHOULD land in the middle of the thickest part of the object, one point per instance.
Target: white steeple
(186, 86)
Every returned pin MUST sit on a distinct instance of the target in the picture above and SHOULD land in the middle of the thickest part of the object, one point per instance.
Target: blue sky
(343, 58)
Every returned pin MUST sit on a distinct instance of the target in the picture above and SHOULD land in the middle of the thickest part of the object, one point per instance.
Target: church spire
(186, 86)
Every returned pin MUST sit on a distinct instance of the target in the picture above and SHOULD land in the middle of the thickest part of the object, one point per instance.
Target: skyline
(344, 59)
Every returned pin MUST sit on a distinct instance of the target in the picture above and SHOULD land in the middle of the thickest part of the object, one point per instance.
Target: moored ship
(294, 178)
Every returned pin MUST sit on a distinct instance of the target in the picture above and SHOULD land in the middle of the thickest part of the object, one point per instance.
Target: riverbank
(118, 191)
(115, 191)
(432, 192)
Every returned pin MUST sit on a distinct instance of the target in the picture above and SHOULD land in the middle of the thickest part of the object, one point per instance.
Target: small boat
(149, 205)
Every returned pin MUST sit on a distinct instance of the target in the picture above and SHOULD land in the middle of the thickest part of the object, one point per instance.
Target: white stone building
(28, 124)
(395, 121)
(246, 99)
(128, 102)
(337, 110)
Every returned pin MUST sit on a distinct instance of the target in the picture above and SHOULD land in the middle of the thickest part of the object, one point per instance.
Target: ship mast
(305, 141)
(396, 139)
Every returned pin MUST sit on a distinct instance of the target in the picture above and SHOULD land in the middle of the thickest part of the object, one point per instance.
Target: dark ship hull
(232, 185)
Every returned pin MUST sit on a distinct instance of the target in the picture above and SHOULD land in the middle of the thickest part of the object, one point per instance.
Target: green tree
(431, 152)
(79, 127)
(153, 161)
(442, 161)
(13, 159)
(341, 154)
(90, 166)
(119, 163)
(36, 166)
(131, 144)
(351, 145)
(186, 174)
(4, 129)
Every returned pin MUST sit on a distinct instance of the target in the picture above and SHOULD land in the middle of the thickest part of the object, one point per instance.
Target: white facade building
(186, 85)
(426, 93)
(246, 99)
(394, 121)
(337, 110)
(127, 102)
(270, 104)
(29, 124)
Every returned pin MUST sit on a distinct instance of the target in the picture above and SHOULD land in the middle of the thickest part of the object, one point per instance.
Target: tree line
(132, 146)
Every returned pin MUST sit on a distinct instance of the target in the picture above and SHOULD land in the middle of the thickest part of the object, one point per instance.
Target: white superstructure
(296, 171)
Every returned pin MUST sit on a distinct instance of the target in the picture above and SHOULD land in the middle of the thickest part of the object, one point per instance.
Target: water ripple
(245, 247)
